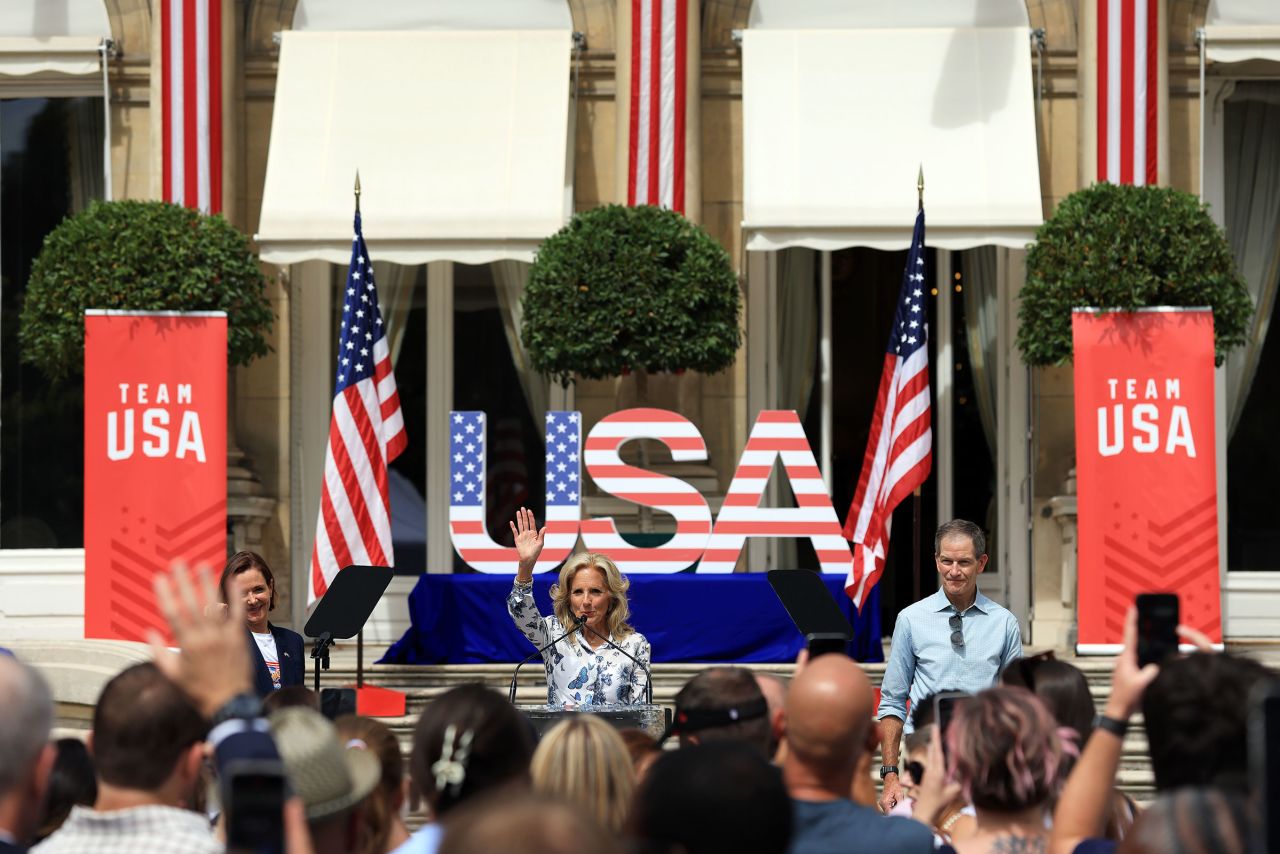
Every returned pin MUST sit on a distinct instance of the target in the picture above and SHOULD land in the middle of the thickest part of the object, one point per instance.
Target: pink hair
(1006, 750)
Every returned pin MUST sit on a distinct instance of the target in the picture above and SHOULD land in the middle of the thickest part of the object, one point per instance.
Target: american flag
(776, 433)
(467, 495)
(647, 488)
(191, 102)
(900, 444)
(1127, 80)
(366, 433)
(659, 74)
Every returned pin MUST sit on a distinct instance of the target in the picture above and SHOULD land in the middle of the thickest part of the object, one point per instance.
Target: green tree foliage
(631, 288)
(1125, 248)
(140, 256)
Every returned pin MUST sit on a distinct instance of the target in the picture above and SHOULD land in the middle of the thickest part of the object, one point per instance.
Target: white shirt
(267, 646)
(575, 672)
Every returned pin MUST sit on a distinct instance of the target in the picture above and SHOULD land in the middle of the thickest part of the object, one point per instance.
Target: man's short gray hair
(26, 716)
(963, 528)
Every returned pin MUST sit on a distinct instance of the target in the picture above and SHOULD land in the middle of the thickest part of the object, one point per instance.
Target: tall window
(1251, 169)
(50, 167)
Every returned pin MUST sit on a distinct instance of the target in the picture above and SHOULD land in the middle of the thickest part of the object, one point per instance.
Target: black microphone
(511, 695)
(648, 686)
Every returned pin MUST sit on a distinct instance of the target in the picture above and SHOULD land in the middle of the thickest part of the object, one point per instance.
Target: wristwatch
(1116, 727)
(886, 770)
(241, 706)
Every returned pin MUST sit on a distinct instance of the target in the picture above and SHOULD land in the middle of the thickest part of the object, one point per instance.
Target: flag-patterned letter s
(647, 488)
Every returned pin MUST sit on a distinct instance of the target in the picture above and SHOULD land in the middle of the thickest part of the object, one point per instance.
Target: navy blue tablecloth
(462, 619)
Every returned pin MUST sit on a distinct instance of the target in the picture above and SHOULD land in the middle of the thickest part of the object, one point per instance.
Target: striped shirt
(923, 661)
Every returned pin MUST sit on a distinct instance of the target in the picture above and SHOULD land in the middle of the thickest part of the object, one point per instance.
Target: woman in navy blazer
(277, 655)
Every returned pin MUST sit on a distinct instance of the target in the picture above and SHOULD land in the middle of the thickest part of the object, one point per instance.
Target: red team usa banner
(1145, 466)
(155, 459)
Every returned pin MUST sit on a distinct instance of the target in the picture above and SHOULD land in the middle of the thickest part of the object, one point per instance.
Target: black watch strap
(1116, 727)
(886, 770)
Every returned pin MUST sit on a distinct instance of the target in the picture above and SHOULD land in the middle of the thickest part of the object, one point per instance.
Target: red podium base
(374, 702)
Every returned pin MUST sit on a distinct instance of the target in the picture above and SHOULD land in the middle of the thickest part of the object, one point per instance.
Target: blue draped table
(687, 617)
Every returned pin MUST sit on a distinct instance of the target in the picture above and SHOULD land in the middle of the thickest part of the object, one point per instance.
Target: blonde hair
(584, 762)
(615, 581)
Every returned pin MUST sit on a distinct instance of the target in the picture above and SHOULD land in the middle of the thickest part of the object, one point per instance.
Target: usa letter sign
(776, 435)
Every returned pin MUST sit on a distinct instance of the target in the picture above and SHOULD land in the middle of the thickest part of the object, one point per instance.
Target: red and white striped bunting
(659, 57)
(648, 489)
(191, 109)
(1128, 76)
(777, 433)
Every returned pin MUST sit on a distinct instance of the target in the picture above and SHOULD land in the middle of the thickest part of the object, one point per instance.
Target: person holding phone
(596, 663)
(955, 639)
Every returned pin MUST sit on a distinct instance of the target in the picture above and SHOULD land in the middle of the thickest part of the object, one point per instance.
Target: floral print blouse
(576, 673)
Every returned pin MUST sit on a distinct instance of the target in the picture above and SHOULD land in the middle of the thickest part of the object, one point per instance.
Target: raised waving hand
(529, 541)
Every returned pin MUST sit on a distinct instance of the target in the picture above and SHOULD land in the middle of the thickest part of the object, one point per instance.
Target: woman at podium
(590, 652)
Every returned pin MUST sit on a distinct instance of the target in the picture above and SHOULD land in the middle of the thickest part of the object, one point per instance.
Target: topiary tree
(1127, 247)
(630, 288)
(140, 256)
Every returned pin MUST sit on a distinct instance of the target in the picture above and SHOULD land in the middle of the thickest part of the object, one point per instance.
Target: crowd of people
(181, 751)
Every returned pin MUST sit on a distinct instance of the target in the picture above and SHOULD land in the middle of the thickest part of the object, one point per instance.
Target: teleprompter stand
(811, 608)
(341, 614)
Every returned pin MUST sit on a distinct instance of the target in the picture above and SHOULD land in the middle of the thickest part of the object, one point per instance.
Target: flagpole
(360, 634)
(916, 500)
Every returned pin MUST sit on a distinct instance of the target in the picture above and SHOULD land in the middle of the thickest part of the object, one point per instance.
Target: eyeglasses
(916, 770)
(957, 636)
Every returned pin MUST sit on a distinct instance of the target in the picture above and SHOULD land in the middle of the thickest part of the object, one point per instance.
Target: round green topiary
(1128, 247)
(140, 256)
(630, 288)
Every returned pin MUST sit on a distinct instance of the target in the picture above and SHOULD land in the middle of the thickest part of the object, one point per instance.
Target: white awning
(836, 123)
(460, 139)
(400, 15)
(74, 55)
(877, 14)
(52, 37)
(1240, 30)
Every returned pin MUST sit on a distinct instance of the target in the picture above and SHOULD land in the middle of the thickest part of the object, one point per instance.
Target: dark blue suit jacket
(293, 666)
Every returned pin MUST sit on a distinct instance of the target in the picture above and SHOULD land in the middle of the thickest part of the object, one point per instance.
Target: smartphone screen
(256, 792)
(1157, 627)
(944, 709)
(1264, 760)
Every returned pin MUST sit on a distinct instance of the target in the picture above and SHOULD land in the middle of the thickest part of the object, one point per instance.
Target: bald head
(829, 708)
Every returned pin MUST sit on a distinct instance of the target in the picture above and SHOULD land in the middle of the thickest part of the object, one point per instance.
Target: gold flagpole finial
(920, 187)
(357, 191)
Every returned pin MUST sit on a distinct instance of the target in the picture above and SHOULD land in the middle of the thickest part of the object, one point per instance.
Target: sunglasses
(916, 770)
(957, 636)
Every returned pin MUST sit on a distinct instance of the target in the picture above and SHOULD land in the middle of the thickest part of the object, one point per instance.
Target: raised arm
(520, 604)
(1086, 800)
(529, 540)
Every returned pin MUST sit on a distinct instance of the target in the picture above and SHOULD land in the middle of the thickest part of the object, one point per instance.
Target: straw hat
(327, 776)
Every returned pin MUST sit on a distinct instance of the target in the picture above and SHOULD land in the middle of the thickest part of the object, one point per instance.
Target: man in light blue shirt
(955, 640)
